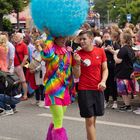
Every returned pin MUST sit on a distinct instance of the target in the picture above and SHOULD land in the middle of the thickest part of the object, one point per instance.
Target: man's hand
(102, 86)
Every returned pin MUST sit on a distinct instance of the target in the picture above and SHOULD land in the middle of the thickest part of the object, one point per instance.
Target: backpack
(9, 83)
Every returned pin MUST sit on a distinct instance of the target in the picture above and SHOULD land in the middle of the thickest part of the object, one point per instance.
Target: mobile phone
(108, 42)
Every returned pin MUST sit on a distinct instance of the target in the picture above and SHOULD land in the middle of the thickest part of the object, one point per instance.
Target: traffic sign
(129, 16)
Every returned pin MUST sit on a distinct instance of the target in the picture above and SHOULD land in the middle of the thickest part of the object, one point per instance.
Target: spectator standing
(3, 53)
(124, 59)
(21, 56)
(111, 89)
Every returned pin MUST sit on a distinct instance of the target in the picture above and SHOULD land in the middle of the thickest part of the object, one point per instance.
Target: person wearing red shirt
(90, 66)
(21, 56)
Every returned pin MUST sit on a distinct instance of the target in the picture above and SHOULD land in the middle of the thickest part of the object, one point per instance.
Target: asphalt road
(31, 123)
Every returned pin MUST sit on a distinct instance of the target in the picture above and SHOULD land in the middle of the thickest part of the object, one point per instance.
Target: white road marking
(98, 122)
(7, 138)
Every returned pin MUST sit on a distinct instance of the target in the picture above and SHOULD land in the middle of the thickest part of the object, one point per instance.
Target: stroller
(9, 84)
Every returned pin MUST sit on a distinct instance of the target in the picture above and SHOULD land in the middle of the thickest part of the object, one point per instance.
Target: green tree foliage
(101, 7)
(7, 6)
(118, 9)
(7, 26)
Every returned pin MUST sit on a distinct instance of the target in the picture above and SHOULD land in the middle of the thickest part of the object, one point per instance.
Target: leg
(57, 114)
(58, 133)
(42, 92)
(20, 74)
(114, 90)
(126, 99)
(107, 93)
(25, 89)
(90, 128)
(37, 94)
(6, 101)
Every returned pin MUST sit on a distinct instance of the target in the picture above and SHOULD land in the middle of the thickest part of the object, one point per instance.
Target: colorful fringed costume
(58, 83)
(58, 77)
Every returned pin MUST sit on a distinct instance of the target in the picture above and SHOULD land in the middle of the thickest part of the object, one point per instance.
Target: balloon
(61, 17)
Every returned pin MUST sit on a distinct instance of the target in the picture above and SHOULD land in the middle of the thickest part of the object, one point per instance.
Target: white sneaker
(47, 107)
(41, 104)
(137, 112)
(106, 104)
(8, 112)
(115, 105)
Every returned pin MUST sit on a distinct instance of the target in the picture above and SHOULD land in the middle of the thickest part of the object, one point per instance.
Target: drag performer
(58, 81)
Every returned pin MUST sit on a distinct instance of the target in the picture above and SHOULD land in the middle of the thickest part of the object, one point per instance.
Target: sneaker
(138, 108)
(15, 110)
(41, 104)
(137, 112)
(8, 112)
(2, 111)
(125, 108)
(47, 107)
(107, 104)
(115, 105)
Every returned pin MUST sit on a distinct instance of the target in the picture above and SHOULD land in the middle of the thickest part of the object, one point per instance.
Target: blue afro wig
(61, 17)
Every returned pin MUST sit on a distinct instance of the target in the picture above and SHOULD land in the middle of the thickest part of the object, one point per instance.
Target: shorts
(124, 86)
(20, 73)
(91, 103)
(53, 100)
(137, 86)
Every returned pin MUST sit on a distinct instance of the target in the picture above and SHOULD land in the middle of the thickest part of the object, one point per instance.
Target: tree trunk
(1, 19)
(18, 20)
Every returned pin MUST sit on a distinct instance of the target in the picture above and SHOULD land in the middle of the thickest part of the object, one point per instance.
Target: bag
(9, 83)
(34, 64)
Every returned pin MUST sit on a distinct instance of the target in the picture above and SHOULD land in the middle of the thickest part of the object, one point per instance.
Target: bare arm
(117, 60)
(24, 60)
(115, 53)
(102, 84)
(104, 72)
(76, 71)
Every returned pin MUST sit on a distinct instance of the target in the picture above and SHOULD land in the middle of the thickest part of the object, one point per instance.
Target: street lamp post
(108, 16)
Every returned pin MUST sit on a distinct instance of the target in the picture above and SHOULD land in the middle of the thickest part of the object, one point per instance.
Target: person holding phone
(92, 81)
(111, 89)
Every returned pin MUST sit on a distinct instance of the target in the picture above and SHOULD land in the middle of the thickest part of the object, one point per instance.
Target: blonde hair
(3, 41)
(128, 40)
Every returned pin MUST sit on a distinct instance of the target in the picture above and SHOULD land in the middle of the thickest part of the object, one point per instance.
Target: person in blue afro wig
(61, 17)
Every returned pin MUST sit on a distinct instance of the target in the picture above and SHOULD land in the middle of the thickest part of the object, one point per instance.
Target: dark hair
(88, 32)
(92, 24)
(27, 39)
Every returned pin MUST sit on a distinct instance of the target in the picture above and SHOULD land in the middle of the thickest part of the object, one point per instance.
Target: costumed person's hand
(39, 44)
(77, 58)
(102, 86)
(46, 30)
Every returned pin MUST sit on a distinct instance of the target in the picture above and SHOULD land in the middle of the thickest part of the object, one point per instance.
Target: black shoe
(125, 108)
